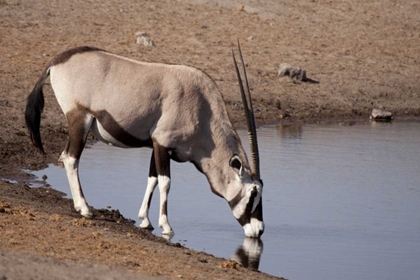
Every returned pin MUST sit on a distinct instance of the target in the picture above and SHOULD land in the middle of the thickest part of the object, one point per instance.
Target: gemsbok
(176, 110)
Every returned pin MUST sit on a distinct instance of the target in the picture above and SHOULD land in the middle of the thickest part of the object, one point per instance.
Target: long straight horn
(249, 114)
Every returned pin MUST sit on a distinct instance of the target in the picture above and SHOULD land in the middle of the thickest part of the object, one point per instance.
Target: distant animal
(176, 110)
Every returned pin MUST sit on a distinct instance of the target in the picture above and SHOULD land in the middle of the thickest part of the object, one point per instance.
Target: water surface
(340, 201)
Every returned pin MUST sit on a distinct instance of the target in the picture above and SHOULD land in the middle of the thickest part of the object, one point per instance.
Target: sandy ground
(364, 54)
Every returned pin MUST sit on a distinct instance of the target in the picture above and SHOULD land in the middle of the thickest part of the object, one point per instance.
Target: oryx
(176, 110)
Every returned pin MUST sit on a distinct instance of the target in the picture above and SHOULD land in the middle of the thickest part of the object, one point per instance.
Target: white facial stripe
(240, 208)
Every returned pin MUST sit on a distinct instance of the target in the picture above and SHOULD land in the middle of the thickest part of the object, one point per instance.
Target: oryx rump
(176, 110)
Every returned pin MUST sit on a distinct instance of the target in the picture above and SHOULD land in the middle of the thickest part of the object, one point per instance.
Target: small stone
(230, 264)
(381, 115)
(143, 38)
(297, 73)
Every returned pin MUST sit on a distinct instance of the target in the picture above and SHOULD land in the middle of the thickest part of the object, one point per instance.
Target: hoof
(87, 215)
(145, 225)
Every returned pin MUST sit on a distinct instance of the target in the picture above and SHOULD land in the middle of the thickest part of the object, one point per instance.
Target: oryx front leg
(152, 182)
(162, 161)
(78, 128)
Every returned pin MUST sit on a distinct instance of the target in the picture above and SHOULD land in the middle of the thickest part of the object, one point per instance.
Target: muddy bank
(39, 222)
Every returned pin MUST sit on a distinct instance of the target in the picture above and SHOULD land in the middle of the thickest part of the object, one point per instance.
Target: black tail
(34, 107)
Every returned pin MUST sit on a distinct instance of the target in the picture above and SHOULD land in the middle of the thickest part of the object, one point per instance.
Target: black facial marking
(258, 212)
(245, 218)
(235, 200)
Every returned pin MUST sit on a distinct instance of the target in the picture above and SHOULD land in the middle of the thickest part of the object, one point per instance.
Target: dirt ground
(363, 54)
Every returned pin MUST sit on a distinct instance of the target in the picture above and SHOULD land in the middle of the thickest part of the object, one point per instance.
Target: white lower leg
(71, 164)
(164, 186)
(144, 209)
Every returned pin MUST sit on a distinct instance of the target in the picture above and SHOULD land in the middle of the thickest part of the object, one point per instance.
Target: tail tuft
(34, 108)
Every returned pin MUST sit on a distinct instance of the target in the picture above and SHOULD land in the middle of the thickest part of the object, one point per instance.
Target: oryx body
(174, 109)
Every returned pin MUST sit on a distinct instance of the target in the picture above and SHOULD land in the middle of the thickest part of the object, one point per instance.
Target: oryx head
(247, 205)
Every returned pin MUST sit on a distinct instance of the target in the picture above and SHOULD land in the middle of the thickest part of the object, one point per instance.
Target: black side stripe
(245, 218)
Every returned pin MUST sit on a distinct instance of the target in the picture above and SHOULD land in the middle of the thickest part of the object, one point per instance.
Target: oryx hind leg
(152, 182)
(162, 161)
(79, 124)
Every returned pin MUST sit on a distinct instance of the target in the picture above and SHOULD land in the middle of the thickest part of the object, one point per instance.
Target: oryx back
(132, 101)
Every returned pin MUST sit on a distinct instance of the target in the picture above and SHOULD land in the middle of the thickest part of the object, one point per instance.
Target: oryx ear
(236, 164)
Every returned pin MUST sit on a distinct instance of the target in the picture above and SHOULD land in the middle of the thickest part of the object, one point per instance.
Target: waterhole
(340, 201)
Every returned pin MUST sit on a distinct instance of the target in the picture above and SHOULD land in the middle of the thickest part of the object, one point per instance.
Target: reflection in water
(249, 253)
(291, 131)
(168, 236)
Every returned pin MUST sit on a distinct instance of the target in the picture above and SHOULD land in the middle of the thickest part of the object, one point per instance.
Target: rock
(143, 38)
(295, 73)
(286, 69)
(381, 115)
